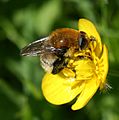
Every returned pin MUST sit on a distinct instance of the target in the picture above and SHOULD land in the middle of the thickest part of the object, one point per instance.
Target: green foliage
(20, 77)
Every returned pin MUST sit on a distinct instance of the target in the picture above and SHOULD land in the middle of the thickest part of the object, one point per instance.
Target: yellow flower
(91, 73)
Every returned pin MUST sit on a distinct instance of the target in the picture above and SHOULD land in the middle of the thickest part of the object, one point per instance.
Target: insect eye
(83, 41)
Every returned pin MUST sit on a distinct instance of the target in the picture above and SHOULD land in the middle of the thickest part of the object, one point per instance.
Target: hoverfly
(56, 49)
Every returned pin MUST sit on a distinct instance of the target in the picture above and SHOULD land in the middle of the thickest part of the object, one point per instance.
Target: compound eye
(83, 42)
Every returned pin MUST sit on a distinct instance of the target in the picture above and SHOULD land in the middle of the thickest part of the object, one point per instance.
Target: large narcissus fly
(75, 61)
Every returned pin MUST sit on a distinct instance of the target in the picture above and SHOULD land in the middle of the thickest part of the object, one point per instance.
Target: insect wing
(38, 47)
(34, 48)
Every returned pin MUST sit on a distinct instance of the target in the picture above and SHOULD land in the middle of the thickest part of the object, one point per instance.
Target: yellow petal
(85, 69)
(59, 90)
(88, 27)
(103, 66)
(68, 72)
(91, 87)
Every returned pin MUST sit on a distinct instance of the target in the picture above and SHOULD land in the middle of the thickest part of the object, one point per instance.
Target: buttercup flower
(87, 75)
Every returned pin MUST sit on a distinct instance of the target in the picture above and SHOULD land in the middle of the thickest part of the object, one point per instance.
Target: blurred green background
(22, 22)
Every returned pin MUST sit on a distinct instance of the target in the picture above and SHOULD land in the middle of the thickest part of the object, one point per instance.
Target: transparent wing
(38, 47)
